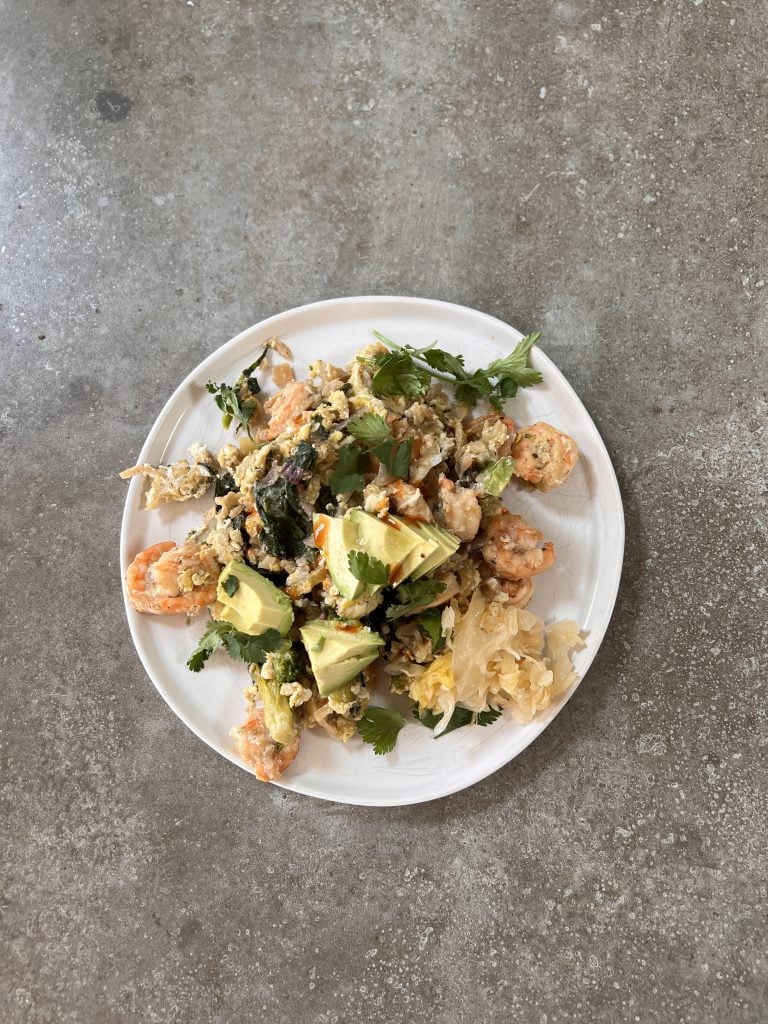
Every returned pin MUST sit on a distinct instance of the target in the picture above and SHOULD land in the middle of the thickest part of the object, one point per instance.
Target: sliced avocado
(338, 651)
(425, 546)
(278, 716)
(252, 604)
(390, 539)
(496, 475)
(329, 534)
(447, 544)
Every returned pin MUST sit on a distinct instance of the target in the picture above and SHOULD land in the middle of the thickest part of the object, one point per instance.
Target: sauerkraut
(501, 656)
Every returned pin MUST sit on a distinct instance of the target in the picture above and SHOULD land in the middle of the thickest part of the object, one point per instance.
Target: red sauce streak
(320, 533)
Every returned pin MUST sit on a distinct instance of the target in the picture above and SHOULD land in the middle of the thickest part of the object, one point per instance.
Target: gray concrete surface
(174, 171)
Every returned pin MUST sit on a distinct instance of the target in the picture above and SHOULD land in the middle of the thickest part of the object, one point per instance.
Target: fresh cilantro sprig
(232, 406)
(240, 646)
(379, 727)
(368, 569)
(372, 431)
(460, 717)
(406, 370)
(411, 597)
(231, 585)
(237, 401)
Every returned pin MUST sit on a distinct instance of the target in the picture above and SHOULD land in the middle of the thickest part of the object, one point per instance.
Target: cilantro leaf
(516, 360)
(399, 463)
(368, 569)
(406, 371)
(369, 428)
(285, 524)
(487, 717)
(460, 717)
(372, 430)
(430, 622)
(411, 597)
(241, 646)
(445, 361)
(231, 405)
(209, 642)
(379, 727)
(397, 374)
(230, 585)
(350, 466)
(245, 647)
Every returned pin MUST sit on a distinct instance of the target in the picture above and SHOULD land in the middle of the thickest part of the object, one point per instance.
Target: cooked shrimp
(543, 455)
(266, 759)
(407, 501)
(460, 509)
(287, 405)
(511, 548)
(480, 427)
(172, 579)
(519, 592)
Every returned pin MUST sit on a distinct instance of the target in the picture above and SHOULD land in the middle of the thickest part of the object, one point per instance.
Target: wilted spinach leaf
(285, 523)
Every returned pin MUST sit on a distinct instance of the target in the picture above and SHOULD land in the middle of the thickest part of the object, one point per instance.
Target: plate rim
(595, 640)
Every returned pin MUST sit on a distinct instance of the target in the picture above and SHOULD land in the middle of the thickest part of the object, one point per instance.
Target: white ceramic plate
(584, 518)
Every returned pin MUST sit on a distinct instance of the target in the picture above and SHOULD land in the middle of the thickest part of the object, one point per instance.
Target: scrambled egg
(438, 677)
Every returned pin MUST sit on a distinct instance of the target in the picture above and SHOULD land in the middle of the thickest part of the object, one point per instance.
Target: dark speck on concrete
(112, 105)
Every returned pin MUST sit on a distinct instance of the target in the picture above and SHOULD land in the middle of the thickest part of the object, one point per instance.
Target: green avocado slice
(338, 651)
(252, 603)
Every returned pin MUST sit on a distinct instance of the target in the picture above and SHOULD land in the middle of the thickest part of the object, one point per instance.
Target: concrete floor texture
(174, 171)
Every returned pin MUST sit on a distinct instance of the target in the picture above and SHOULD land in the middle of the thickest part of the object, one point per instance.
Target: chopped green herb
(230, 585)
(399, 462)
(231, 405)
(430, 622)
(379, 727)
(240, 646)
(403, 372)
(369, 428)
(372, 431)
(397, 374)
(488, 717)
(368, 569)
(350, 466)
(411, 597)
(460, 717)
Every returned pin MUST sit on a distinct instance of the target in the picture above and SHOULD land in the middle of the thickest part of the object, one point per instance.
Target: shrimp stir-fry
(357, 526)
(511, 548)
(266, 758)
(172, 579)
